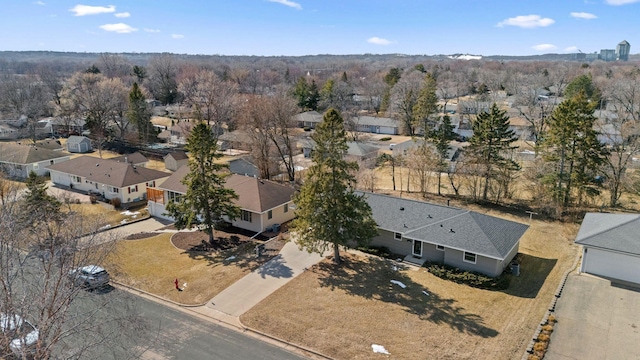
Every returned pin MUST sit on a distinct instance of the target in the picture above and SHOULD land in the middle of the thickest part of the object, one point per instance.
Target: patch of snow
(466, 57)
(124, 221)
(395, 268)
(105, 227)
(424, 292)
(184, 285)
(129, 213)
(230, 258)
(398, 283)
(379, 349)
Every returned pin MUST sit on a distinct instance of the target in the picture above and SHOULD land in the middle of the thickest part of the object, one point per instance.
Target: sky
(312, 27)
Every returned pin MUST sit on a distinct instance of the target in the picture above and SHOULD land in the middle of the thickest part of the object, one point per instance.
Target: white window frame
(464, 257)
(245, 215)
(439, 247)
(397, 236)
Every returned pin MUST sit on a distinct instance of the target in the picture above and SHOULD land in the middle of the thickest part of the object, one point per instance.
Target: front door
(417, 248)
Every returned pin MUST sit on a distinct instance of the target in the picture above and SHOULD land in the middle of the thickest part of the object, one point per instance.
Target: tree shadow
(533, 274)
(371, 279)
(276, 268)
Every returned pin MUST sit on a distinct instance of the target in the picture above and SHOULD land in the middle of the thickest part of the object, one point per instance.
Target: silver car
(22, 334)
(90, 276)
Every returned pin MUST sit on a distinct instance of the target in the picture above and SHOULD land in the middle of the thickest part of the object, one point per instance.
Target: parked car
(22, 334)
(90, 276)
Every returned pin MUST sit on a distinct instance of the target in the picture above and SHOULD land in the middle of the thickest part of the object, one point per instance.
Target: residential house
(8, 132)
(237, 140)
(175, 159)
(19, 160)
(180, 132)
(376, 125)
(263, 203)
(243, 166)
(465, 239)
(308, 119)
(54, 145)
(361, 152)
(111, 179)
(79, 144)
(136, 159)
(610, 246)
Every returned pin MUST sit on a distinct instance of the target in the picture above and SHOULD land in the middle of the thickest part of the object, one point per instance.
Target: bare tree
(404, 97)
(281, 109)
(25, 96)
(162, 72)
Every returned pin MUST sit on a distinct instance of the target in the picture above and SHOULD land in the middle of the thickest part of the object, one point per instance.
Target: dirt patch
(199, 241)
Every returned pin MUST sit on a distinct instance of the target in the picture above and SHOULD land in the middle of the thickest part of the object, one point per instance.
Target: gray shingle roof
(617, 232)
(135, 158)
(309, 116)
(22, 154)
(447, 226)
(376, 121)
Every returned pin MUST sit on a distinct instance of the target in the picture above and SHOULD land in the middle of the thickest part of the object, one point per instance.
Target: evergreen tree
(490, 143)
(207, 199)
(138, 113)
(41, 211)
(329, 212)
(441, 138)
(584, 84)
(572, 144)
(426, 104)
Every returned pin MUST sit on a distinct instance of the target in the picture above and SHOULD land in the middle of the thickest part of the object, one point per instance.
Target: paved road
(596, 320)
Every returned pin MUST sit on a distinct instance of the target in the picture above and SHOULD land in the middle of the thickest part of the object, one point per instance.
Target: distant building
(607, 55)
(622, 51)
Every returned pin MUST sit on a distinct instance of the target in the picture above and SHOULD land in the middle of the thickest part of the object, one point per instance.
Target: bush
(381, 251)
(93, 199)
(116, 202)
(543, 337)
(540, 346)
(306, 128)
(469, 278)
(533, 357)
(547, 328)
(551, 319)
(386, 138)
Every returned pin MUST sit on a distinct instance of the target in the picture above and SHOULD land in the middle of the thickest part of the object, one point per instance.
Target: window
(245, 216)
(75, 179)
(174, 196)
(286, 208)
(440, 247)
(269, 214)
(469, 257)
(397, 236)
(151, 184)
(36, 167)
(115, 189)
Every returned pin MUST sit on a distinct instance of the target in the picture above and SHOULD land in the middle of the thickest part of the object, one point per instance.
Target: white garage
(611, 246)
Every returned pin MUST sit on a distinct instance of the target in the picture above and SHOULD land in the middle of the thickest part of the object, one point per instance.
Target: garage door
(612, 265)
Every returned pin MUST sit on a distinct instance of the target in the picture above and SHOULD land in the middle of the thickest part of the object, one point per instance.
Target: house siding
(386, 238)
(507, 260)
(483, 264)
(431, 253)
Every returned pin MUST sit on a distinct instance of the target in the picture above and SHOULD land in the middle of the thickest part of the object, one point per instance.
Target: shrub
(386, 138)
(381, 251)
(547, 328)
(540, 346)
(551, 319)
(543, 337)
(469, 278)
(93, 199)
(116, 202)
(306, 128)
(533, 357)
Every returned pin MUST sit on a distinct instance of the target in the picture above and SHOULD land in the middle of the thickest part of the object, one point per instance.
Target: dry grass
(102, 214)
(152, 264)
(342, 311)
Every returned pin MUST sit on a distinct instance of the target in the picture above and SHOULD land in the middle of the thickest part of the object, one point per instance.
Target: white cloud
(571, 49)
(378, 41)
(583, 15)
(527, 21)
(288, 3)
(122, 15)
(82, 10)
(621, 2)
(544, 47)
(39, 3)
(177, 36)
(119, 28)
(152, 30)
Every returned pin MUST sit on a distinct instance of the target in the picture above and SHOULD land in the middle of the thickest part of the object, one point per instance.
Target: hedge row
(469, 278)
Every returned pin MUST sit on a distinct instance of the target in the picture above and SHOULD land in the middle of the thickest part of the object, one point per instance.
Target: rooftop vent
(405, 225)
(429, 216)
(401, 209)
(451, 231)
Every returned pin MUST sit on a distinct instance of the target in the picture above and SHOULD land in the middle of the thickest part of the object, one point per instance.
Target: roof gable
(618, 232)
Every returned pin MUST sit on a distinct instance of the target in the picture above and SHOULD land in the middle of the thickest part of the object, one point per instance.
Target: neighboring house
(44, 128)
(111, 179)
(376, 125)
(237, 139)
(473, 107)
(263, 203)
(66, 127)
(364, 153)
(429, 232)
(79, 144)
(136, 159)
(180, 132)
(19, 160)
(611, 246)
(54, 145)
(308, 119)
(8, 132)
(175, 159)
(243, 166)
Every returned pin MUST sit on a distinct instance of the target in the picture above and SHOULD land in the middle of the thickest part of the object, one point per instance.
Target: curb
(256, 333)
(552, 307)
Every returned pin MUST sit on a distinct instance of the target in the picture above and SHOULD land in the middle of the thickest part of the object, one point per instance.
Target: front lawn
(342, 311)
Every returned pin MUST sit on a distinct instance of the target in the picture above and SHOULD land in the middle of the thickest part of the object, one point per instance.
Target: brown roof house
(175, 159)
(136, 159)
(19, 160)
(111, 179)
(263, 203)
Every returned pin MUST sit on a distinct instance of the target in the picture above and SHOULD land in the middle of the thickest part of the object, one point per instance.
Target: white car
(90, 276)
(24, 335)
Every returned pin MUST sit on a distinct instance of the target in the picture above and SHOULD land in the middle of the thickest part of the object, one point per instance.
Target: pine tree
(572, 144)
(441, 138)
(329, 212)
(426, 104)
(207, 199)
(490, 143)
(138, 113)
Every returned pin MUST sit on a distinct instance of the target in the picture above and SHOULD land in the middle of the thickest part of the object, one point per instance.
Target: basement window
(469, 257)
(440, 247)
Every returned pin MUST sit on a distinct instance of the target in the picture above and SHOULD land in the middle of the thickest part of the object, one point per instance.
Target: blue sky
(310, 27)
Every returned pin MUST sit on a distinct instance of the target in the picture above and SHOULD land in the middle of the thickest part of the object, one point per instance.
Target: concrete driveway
(596, 320)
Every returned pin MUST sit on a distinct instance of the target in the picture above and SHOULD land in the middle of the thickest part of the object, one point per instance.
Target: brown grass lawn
(102, 215)
(152, 264)
(342, 311)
